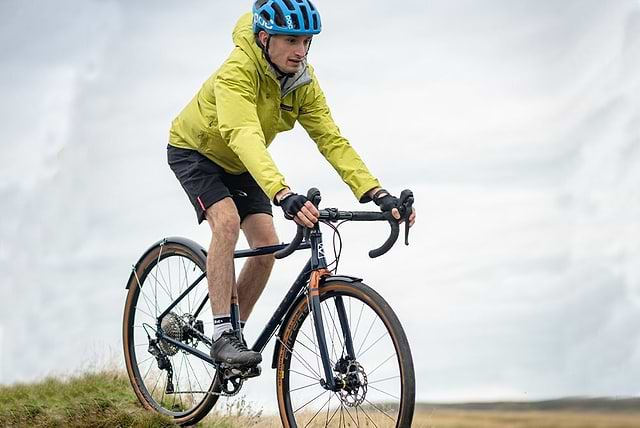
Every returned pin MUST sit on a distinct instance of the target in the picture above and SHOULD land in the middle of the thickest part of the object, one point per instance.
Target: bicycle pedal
(244, 372)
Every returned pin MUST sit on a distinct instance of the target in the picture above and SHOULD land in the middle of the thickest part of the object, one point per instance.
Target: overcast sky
(516, 123)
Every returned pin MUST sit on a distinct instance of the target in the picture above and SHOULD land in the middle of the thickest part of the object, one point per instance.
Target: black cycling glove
(387, 202)
(291, 204)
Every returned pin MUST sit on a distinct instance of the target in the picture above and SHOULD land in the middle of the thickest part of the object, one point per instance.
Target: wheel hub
(352, 384)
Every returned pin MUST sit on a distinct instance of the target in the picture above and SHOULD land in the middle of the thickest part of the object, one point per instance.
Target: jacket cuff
(361, 192)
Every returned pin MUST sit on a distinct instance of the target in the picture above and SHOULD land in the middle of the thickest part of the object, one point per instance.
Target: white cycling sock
(221, 323)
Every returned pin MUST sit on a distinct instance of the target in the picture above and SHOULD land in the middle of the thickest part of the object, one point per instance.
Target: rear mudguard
(192, 245)
(323, 281)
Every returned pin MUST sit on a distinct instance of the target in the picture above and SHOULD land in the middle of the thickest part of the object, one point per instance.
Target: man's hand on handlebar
(298, 208)
(388, 202)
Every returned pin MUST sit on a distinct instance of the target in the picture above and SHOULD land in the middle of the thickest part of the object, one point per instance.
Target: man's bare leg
(259, 231)
(225, 228)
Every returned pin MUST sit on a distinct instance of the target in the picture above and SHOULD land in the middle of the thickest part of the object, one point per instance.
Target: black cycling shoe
(229, 349)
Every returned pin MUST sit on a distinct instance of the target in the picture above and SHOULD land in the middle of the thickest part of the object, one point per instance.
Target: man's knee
(260, 230)
(224, 220)
(268, 237)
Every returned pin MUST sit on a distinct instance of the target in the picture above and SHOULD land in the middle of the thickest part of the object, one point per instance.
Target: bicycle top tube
(269, 249)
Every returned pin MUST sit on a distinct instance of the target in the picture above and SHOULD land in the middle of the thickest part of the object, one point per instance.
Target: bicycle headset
(286, 17)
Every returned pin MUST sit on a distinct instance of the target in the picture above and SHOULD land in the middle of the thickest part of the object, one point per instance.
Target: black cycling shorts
(206, 183)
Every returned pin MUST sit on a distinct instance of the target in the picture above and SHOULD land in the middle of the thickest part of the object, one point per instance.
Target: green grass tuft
(94, 400)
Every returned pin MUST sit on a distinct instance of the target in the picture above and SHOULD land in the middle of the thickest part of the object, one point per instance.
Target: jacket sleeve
(315, 118)
(235, 90)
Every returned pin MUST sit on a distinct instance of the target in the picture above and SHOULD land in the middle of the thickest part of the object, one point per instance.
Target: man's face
(287, 52)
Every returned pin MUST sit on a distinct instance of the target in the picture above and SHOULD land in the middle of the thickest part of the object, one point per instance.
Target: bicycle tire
(296, 341)
(151, 267)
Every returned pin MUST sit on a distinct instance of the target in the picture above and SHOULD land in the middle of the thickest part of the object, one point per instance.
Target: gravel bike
(341, 356)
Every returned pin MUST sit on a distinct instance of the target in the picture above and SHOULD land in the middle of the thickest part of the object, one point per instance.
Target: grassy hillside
(98, 400)
(106, 400)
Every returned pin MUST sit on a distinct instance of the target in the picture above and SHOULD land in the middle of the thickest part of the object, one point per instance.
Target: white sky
(516, 124)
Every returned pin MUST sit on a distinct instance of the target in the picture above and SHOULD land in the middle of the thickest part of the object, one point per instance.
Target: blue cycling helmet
(291, 17)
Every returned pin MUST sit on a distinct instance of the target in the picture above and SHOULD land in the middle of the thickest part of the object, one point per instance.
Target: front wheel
(376, 385)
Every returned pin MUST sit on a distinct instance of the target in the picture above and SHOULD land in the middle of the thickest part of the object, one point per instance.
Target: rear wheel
(376, 388)
(164, 378)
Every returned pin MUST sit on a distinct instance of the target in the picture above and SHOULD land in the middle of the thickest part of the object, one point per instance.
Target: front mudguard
(323, 281)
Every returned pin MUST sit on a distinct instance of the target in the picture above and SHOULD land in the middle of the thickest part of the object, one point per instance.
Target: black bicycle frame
(316, 262)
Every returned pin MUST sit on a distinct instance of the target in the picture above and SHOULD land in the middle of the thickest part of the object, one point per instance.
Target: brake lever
(406, 203)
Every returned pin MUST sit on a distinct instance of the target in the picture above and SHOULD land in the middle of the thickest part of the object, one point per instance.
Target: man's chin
(293, 68)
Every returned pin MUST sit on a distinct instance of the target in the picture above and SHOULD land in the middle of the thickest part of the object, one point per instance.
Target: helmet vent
(296, 22)
(279, 18)
(305, 16)
(312, 7)
(261, 3)
(315, 21)
(288, 4)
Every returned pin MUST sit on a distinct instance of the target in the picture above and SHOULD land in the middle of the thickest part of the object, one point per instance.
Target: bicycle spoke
(318, 412)
(380, 410)
(300, 359)
(178, 382)
(148, 369)
(326, 422)
(146, 313)
(313, 332)
(355, 331)
(333, 415)
(386, 393)
(373, 344)
(336, 331)
(303, 387)
(310, 401)
(147, 302)
(383, 380)
(368, 417)
(365, 338)
(302, 374)
(186, 285)
(346, 409)
(195, 375)
(317, 354)
(381, 364)
(162, 286)
(332, 335)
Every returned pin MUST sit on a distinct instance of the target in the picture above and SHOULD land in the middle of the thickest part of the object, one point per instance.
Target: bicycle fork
(320, 271)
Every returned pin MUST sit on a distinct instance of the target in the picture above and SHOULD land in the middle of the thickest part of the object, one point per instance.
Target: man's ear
(263, 36)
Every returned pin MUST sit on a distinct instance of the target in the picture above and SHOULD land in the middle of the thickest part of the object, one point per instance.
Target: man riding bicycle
(218, 151)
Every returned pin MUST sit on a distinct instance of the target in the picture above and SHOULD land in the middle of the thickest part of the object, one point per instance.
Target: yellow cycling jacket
(242, 106)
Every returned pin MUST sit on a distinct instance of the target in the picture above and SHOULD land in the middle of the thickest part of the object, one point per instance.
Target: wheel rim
(160, 284)
(371, 393)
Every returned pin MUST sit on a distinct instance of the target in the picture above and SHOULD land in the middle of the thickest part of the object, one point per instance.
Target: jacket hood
(244, 38)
